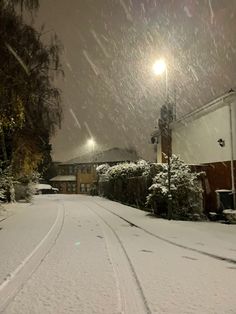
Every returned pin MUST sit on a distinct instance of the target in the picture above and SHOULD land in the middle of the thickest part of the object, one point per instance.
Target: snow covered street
(81, 254)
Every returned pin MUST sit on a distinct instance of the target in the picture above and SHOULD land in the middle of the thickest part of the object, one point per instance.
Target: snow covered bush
(30, 181)
(125, 182)
(185, 190)
(128, 169)
(7, 181)
(2, 196)
(29, 192)
(102, 169)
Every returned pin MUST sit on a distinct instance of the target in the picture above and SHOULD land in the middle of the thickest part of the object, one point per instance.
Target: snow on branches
(124, 170)
(185, 189)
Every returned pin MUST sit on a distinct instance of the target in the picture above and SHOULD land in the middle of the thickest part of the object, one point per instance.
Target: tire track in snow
(16, 280)
(215, 256)
(128, 282)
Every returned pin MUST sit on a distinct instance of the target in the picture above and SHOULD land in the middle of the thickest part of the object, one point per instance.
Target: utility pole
(160, 67)
(169, 153)
(165, 126)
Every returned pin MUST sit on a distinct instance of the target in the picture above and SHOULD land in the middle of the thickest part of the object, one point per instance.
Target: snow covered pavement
(102, 263)
(208, 237)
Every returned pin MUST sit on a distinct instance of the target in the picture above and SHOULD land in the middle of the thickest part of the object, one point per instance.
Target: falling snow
(126, 10)
(211, 11)
(92, 65)
(100, 44)
(187, 11)
(109, 49)
(76, 119)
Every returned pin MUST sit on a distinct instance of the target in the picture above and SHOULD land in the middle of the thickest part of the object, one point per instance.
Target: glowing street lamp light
(159, 67)
(91, 143)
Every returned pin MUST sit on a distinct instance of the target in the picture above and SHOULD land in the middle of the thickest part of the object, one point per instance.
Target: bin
(224, 199)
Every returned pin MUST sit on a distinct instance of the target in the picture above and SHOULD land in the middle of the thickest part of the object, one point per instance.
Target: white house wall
(196, 141)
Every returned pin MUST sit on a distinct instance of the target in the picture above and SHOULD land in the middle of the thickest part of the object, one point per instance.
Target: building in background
(78, 175)
(206, 137)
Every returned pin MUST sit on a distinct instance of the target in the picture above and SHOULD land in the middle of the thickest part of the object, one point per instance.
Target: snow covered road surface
(14, 280)
(101, 263)
(77, 276)
(20, 233)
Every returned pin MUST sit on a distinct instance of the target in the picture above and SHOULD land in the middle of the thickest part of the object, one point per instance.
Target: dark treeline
(30, 109)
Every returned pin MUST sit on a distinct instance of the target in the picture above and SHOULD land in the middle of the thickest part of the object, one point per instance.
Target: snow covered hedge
(142, 182)
(126, 182)
(128, 170)
(185, 189)
(124, 170)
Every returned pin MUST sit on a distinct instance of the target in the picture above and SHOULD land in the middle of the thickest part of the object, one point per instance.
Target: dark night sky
(109, 48)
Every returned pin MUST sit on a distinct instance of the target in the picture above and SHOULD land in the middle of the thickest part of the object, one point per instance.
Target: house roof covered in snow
(111, 155)
(63, 178)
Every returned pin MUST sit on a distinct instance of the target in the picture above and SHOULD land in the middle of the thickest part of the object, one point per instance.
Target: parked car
(45, 189)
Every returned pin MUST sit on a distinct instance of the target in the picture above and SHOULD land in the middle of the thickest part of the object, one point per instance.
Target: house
(78, 175)
(205, 137)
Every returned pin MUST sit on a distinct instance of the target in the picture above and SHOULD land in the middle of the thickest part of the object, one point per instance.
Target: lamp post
(160, 67)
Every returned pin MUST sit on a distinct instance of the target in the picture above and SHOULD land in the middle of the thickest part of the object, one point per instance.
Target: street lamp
(91, 143)
(160, 67)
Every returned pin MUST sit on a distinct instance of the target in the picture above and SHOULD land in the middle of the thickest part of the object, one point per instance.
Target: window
(82, 169)
(61, 171)
(85, 187)
(71, 170)
(85, 169)
(82, 187)
(68, 187)
(71, 187)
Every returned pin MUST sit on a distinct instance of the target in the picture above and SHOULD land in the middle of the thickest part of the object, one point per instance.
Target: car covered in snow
(45, 189)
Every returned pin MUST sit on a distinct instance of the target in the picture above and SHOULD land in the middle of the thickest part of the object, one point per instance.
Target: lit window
(82, 188)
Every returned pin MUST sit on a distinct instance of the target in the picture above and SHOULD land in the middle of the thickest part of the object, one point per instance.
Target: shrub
(185, 190)
(115, 182)
(7, 181)
(29, 192)
(102, 169)
(128, 170)
(29, 182)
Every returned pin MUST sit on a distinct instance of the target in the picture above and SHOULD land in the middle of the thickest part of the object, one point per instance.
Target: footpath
(7, 210)
(211, 238)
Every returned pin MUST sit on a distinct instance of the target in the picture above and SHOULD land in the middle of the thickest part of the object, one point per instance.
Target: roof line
(214, 103)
